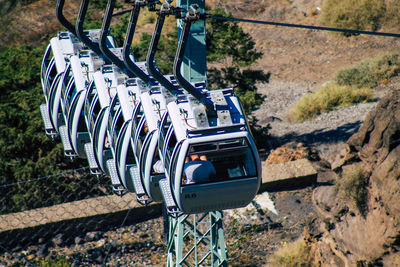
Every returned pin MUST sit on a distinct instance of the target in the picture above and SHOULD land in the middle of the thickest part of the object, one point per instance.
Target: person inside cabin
(158, 166)
(198, 169)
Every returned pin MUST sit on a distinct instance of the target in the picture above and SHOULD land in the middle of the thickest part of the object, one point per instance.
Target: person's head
(194, 157)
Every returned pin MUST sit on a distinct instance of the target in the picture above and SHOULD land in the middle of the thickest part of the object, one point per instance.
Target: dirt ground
(296, 58)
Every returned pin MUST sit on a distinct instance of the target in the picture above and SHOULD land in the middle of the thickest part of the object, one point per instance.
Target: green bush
(352, 186)
(370, 72)
(327, 98)
(25, 151)
(292, 254)
(58, 262)
(229, 47)
(234, 52)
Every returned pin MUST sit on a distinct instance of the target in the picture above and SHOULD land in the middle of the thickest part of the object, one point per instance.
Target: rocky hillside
(351, 217)
(364, 229)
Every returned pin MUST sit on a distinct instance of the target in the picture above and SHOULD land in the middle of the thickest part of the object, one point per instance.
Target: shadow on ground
(317, 137)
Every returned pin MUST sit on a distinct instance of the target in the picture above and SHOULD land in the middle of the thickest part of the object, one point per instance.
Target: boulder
(371, 238)
(288, 175)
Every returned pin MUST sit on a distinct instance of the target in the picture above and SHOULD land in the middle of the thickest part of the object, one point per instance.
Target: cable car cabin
(73, 94)
(103, 107)
(122, 146)
(58, 52)
(95, 105)
(53, 66)
(54, 63)
(54, 60)
(145, 134)
(211, 163)
(97, 118)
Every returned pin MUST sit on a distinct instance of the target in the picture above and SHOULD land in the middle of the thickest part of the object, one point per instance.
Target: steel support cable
(291, 25)
(310, 27)
(44, 177)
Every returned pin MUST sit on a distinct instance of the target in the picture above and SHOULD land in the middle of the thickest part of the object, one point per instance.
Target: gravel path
(326, 133)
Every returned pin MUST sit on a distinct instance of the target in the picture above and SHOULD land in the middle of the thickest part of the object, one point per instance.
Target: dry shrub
(327, 98)
(350, 86)
(370, 72)
(361, 14)
(392, 14)
(292, 254)
(147, 17)
(353, 186)
(354, 14)
(291, 153)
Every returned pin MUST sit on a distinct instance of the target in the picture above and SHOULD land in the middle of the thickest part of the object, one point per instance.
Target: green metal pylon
(194, 65)
(197, 240)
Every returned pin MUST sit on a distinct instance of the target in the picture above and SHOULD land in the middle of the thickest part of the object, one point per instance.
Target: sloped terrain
(368, 233)
(299, 61)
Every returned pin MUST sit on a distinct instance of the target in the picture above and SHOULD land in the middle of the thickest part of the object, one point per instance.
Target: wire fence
(54, 189)
(57, 218)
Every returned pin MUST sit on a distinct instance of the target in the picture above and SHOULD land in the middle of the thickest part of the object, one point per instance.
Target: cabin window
(157, 166)
(145, 152)
(137, 115)
(93, 115)
(54, 85)
(219, 161)
(171, 142)
(117, 127)
(49, 78)
(81, 124)
(130, 157)
(93, 112)
(71, 90)
(174, 163)
(91, 94)
(142, 135)
(96, 109)
(165, 123)
(67, 78)
(114, 109)
(48, 57)
(51, 72)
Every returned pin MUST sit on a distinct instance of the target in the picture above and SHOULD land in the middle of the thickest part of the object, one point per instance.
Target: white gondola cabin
(104, 110)
(53, 66)
(211, 163)
(75, 84)
(145, 136)
(128, 96)
(98, 119)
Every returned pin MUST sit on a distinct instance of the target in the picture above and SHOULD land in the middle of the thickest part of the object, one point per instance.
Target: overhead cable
(291, 25)
(304, 26)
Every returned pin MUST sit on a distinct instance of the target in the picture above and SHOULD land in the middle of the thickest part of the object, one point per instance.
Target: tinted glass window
(225, 160)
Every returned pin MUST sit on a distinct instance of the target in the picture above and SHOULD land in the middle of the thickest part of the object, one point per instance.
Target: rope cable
(303, 26)
(291, 25)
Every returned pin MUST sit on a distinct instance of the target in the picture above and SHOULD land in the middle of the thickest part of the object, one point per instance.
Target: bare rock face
(372, 237)
(380, 133)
